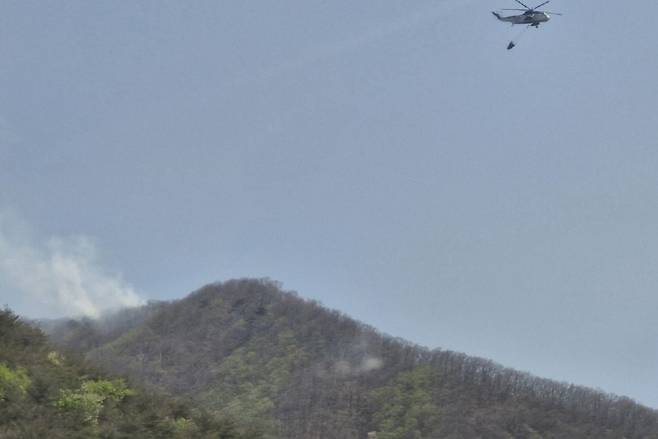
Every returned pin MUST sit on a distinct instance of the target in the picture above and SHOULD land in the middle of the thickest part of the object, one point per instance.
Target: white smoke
(58, 276)
(368, 364)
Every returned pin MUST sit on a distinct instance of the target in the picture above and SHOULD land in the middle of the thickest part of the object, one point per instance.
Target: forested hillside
(247, 350)
(47, 394)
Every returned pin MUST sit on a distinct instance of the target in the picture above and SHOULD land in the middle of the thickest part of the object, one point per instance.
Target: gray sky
(390, 159)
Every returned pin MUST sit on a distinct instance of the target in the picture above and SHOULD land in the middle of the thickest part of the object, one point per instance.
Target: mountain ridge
(247, 349)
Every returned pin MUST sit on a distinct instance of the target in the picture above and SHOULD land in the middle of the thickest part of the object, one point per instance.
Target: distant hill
(47, 394)
(296, 370)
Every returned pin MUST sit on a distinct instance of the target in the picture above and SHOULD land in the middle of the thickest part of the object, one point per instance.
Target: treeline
(296, 370)
(492, 382)
(47, 394)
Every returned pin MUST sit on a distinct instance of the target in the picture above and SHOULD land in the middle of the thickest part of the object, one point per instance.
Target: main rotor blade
(539, 6)
(522, 4)
(551, 13)
(514, 10)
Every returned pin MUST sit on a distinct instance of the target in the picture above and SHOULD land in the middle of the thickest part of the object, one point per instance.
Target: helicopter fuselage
(528, 18)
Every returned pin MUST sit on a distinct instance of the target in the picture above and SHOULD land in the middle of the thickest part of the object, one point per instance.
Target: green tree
(13, 383)
(406, 409)
(87, 402)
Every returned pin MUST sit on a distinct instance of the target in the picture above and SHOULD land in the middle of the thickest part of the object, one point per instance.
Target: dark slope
(247, 349)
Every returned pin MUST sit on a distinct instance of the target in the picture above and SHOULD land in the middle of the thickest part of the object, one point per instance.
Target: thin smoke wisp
(57, 276)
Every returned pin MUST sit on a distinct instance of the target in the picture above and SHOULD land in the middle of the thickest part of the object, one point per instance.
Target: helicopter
(531, 16)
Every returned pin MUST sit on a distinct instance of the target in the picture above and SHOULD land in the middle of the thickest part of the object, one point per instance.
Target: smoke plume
(57, 276)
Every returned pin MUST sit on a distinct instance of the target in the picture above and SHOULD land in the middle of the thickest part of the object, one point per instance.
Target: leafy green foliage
(56, 358)
(248, 383)
(44, 393)
(407, 409)
(13, 382)
(87, 402)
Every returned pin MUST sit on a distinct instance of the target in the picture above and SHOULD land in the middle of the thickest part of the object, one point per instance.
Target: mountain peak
(264, 356)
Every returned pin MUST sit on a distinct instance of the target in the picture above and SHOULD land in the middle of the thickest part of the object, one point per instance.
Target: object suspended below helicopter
(531, 17)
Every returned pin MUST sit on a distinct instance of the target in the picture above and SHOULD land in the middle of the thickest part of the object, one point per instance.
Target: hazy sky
(390, 159)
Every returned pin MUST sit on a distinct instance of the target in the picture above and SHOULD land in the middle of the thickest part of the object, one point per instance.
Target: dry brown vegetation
(296, 370)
